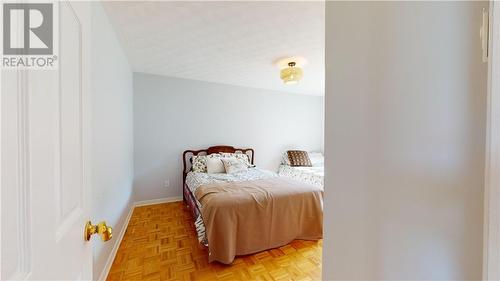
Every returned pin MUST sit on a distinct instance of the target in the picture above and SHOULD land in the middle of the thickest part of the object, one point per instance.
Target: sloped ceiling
(234, 43)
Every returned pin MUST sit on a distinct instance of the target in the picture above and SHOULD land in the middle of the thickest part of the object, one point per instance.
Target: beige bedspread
(252, 216)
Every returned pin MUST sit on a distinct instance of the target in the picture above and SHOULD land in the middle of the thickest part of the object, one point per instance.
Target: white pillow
(284, 159)
(215, 165)
(317, 159)
(233, 165)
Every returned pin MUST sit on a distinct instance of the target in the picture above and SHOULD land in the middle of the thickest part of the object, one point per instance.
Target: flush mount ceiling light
(291, 71)
(292, 74)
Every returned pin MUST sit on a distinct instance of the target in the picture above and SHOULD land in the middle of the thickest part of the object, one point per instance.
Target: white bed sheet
(311, 175)
(195, 180)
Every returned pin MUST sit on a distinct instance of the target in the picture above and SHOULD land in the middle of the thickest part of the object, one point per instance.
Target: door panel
(70, 162)
(16, 209)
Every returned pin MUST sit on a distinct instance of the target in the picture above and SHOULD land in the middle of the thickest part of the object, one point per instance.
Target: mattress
(310, 175)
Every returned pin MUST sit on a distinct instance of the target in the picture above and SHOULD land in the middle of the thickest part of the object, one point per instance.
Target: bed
(312, 175)
(249, 211)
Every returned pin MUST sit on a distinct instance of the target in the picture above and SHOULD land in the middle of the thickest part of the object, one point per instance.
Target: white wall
(405, 134)
(172, 115)
(112, 145)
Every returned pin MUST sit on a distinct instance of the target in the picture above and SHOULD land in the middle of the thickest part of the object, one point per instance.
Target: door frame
(491, 235)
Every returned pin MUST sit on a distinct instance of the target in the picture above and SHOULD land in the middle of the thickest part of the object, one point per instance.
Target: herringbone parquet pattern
(160, 244)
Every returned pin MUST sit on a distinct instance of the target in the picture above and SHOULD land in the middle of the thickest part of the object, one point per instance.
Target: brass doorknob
(106, 232)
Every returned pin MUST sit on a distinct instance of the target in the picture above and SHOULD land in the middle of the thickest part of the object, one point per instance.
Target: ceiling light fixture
(291, 69)
(291, 74)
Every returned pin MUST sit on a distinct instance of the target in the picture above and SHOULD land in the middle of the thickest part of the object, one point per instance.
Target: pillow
(299, 158)
(233, 165)
(317, 159)
(215, 165)
(284, 159)
(200, 162)
(240, 156)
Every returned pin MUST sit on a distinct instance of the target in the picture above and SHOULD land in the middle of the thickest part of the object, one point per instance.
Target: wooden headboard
(187, 156)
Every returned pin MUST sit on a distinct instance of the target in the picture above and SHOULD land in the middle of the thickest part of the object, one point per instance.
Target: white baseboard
(158, 201)
(111, 258)
(116, 246)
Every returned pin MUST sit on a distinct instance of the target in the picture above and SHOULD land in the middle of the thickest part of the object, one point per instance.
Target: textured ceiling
(226, 42)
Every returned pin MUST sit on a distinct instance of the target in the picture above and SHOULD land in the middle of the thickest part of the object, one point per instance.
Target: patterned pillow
(199, 164)
(299, 158)
(200, 161)
(240, 156)
(234, 165)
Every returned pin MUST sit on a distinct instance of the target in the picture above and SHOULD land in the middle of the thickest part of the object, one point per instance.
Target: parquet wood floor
(160, 244)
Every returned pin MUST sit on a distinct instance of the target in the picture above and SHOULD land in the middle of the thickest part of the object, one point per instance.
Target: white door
(45, 165)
